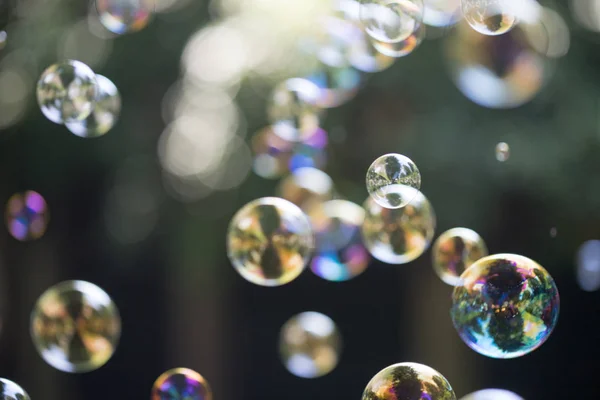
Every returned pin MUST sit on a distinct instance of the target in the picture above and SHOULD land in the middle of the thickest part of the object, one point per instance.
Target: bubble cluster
(391, 21)
(492, 394)
(393, 180)
(340, 254)
(26, 215)
(67, 91)
(270, 241)
(107, 108)
(506, 307)
(181, 383)
(11, 391)
(454, 251)
(502, 152)
(310, 345)
(588, 265)
(408, 381)
(75, 326)
(306, 187)
(491, 17)
(124, 16)
(398, 236)
(292, 111)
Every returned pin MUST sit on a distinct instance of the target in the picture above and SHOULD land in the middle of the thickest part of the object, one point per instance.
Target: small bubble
(310, 345)
(124, 16)
(391, 21)
(27, 215)
(553, 232)
(75, 326)
(455, 251)
(67, 91)
(393, 180)
(181, 383)
(502, 152)
(11, 391)
(270, 241)
(106, 112)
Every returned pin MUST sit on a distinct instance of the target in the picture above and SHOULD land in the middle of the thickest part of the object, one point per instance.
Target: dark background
(181, 302)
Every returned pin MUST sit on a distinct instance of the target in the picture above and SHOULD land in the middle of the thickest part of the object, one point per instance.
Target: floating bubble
(393, 180)
(306, 187)
(492, 394)
(67, 91)
(270, 241)
(292, 110)
(310, 345)
(106, 112)
(181, 383)
(441, 13)
(502, 152)
(340, 254)
(454, 251)
(491, 17)
(75, 326)
(124, 16)
(391, 21)
(506, 307)
(398, 236)
(408, 381)
(27, 215)
(11, 391)
(588, 265)
(338, 85)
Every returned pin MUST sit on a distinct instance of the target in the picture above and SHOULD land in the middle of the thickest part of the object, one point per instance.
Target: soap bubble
(492, 394)
(588, 265)
(123, 16)
(67, 91)
(408, 381)
(441, 13)
(393, 180)
(502, 152)
(11, 391)
(391, 20)
(269, 241)
(398, 236)
(27, 215)
(454, 251)
(310, 345)
(506, 307)
(181, 383)
(340, 254)
(306, 187)
(292, 109)
(75, 326)
(490, 17)
(403, 47)
(106, 111)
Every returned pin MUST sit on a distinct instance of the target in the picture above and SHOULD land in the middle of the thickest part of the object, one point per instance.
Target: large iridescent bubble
(310, 345)
(506, 306)
(270, 241)
(408, 381)
(181, 383)
(398, 236)
(75, 326)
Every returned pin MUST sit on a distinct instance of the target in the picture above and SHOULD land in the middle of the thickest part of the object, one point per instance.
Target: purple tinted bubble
(35, 202)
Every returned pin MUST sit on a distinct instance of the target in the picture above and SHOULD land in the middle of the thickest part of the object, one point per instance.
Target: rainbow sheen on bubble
(310, 345)
(11, 391)
(401, 235)
(502, 152)
(75, 326)
(391, 21)
(408, 381)
(181, 383)
(491, 17)
(67, 91)
(270, 241)
(506, 306)
(492, 394)
(125, 16)
(106, 112)
(340, 254)
(26, 215)
(393, 180)
(455, 251)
